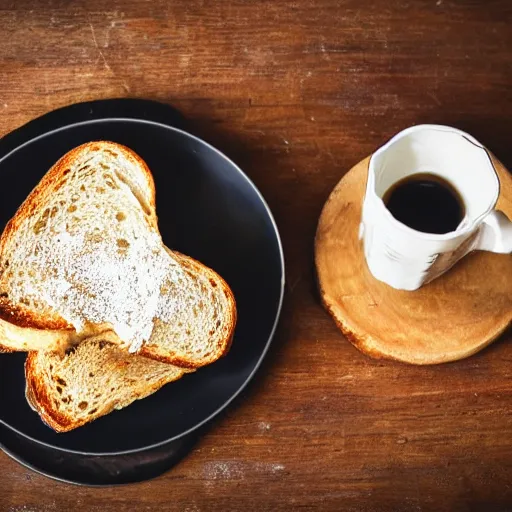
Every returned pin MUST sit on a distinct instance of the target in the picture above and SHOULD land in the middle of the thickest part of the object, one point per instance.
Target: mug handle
(495, 233)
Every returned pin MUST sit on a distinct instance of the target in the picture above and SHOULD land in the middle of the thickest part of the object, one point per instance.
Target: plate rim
(281, 292)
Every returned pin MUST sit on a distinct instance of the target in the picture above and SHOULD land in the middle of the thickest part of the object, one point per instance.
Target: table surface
(296, 92)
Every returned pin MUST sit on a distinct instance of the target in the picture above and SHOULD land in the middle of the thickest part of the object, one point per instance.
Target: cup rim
(403, 227)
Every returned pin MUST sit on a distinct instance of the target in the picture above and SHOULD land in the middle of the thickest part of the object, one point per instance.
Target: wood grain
(453, 317)
(296, 92)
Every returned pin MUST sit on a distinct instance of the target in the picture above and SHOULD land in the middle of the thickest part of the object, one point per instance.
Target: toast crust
(22, 317)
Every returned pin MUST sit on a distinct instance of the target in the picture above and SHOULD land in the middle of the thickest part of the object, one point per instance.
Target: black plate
(208, 209)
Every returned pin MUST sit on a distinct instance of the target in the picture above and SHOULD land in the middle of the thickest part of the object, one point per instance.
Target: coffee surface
(425, 202)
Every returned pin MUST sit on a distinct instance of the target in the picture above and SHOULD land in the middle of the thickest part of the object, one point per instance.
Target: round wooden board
(451, 318)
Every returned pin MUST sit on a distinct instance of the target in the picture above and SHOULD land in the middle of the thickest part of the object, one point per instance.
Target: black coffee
(425, 202)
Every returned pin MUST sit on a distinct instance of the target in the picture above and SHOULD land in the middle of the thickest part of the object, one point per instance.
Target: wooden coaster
(453, 317)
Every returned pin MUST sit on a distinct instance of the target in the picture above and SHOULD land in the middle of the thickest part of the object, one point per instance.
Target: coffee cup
(430, 199)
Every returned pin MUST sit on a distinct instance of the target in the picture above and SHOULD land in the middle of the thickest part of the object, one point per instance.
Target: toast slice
(83, 257)
(83, 252)
(91, 380)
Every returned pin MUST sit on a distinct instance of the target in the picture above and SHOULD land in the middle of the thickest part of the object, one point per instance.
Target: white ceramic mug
(405, 258)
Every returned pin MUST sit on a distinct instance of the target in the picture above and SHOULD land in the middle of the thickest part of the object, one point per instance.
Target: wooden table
(296, 92)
